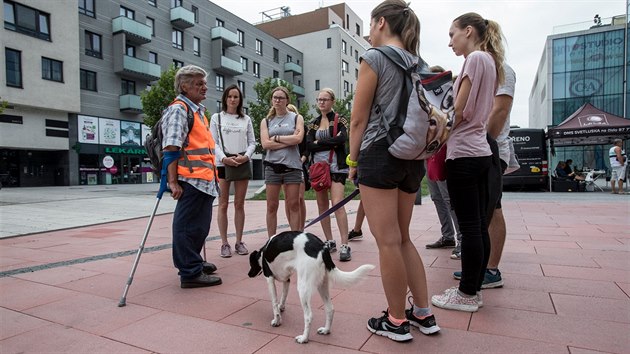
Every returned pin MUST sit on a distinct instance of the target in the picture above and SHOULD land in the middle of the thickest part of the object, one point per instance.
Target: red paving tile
(557, 269)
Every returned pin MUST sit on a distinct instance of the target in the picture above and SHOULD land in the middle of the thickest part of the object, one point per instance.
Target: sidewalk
(566, 268)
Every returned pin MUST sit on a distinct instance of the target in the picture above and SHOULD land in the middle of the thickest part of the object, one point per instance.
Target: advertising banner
(145, 131)
(88, 129)
(109, 131)
(130, 133)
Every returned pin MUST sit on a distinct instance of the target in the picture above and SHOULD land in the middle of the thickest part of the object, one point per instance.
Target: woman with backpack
(235, 143)
(326, 144)
(468, 155)
(388, 185)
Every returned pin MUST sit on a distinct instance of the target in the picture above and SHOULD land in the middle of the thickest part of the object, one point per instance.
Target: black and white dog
(305, 254)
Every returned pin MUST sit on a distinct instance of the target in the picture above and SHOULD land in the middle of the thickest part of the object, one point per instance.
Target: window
(259, 47)
(241, 38)
(88, 80)
(316, 85)
(218, 106)
(276, 74)
(130, 50)
(178, 64)
(346, 86)
(152, 3)
(153, 58)
(13, 66)
(328, 43)
(356, 56)
(151, 23)
(86, 7)
(220, 82)
(241, 86)
(176, 3)
(127, 13)
(195, 11)
(26, 20)
(246, 109)
(245, 63)
(93, 45)
(289, 59)
(127, 87)
(178, 39)
(52, 69)
(358, 29)
(344, 47)
(219, 23)
(276, 55)
(256, 69)
(356, 74)
(196, 45)
(344, 66)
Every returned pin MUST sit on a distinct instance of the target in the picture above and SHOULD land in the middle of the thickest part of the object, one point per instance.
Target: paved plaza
(566, 268)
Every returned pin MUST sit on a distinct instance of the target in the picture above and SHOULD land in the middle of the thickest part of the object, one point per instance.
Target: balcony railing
(182, 18)
(293, 67)
(140, 69)
(228, 66)
(228, 38)
(136, 32)
(298, 90)
(130, 103)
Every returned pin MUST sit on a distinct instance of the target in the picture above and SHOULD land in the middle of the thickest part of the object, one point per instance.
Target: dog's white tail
(342, 278)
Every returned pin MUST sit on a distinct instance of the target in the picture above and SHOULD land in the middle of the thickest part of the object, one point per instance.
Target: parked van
(530, 146)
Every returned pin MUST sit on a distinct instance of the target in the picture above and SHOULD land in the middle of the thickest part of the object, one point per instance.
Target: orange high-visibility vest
(197, 158)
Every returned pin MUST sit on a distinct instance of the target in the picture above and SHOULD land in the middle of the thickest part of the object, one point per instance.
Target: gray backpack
(425, 112)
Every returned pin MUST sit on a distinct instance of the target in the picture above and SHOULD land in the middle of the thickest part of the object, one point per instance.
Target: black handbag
(234, 173)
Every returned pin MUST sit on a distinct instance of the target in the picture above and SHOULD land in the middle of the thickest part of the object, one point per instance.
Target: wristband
(350, 162)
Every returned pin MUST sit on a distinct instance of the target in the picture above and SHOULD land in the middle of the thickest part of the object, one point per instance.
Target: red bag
(436, 165)
(319, 172)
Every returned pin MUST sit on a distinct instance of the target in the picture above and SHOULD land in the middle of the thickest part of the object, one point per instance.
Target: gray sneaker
(457, 252)
(240, 248)
(226, 251)
(344, 253)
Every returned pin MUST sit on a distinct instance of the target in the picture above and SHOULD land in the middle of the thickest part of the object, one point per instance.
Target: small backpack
(153, 141)
(425, 112)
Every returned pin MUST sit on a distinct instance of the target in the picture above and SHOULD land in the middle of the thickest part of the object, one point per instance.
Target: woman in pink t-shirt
(468, 156)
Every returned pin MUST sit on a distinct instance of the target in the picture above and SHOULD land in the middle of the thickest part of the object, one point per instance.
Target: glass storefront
(115, 165)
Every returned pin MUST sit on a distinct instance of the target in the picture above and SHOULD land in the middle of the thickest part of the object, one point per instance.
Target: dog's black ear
(254, 264)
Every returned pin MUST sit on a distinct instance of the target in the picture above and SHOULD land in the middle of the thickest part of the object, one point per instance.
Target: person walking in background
(280, 134)
(468, 156)
(303, 187)
(388, 198)
(326, 142)
(191, 178)
(235, 143)
(617, 156)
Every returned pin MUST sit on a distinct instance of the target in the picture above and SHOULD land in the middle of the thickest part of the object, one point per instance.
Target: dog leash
(334, 208)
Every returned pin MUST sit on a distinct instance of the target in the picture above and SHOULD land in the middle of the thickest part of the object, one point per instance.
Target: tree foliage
(156, 99)
(258, 110)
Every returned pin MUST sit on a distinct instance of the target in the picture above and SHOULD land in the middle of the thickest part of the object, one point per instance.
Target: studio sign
(586, 87)
(128, 151)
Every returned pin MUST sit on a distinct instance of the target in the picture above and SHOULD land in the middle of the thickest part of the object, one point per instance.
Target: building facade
(588, 65)
(331, 39)
(119, 49)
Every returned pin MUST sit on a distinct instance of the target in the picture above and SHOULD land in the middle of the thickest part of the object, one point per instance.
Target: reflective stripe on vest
(198, 160)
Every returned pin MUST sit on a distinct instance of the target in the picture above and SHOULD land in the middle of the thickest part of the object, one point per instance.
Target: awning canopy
(589, 126)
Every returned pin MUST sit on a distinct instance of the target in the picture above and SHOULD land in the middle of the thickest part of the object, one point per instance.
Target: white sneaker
(453, 300)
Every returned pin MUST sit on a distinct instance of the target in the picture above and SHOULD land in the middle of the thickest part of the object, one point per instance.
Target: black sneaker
(355, 235)
(442, 243)
(208, 268)
(382, 327)
(426, 325)
(202, 281)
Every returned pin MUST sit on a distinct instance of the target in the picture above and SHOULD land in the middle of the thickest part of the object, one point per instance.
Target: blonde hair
(329, 91)
(272, 111)
(490, 38)
(185, 75)
(402, 22)
(292, 108)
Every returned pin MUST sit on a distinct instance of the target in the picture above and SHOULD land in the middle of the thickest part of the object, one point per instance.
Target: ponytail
(402, 22)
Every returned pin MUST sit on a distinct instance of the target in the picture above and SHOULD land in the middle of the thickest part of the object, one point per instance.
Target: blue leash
(334, 208)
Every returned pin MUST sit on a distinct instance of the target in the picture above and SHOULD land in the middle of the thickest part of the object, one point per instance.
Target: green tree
(3, 105)
(161, 94)
(343, 107)
(258, 110)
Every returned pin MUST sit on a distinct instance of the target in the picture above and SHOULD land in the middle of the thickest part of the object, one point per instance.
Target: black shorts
(339, 177)
(221, 172)
(379, 169)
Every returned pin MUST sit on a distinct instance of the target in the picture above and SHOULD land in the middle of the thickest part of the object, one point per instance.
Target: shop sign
(113, 170)
(108, 161)
(127, 151)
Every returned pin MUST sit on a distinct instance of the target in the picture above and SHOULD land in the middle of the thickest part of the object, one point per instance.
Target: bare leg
(240, 190)
(497, 233)
(224, 199)
(358, 222)
(336, 195)
(292, 202)
(302, 207)
(612, 185)
(273, 195)
(322, 206)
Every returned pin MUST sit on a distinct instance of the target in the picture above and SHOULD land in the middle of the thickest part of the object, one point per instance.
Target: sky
(525, 24)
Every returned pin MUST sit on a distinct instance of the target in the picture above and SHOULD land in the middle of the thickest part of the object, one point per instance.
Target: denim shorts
(379, 169)
(292, 177)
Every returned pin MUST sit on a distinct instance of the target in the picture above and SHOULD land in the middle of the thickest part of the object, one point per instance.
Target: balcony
(298, 90)
(135, 32)
(130, 104)
(227, 66)
(182, 18)
(227, 37)
(293, 67)
(137, 68)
